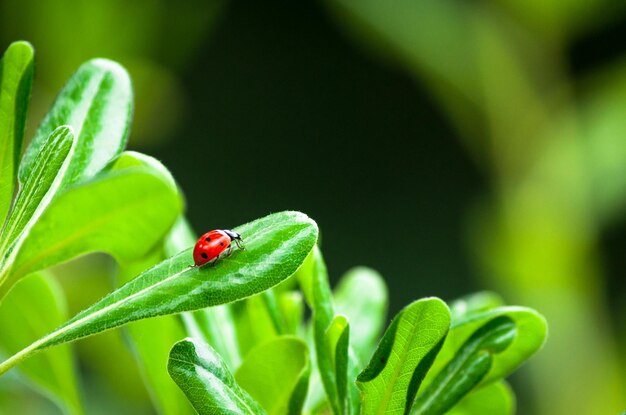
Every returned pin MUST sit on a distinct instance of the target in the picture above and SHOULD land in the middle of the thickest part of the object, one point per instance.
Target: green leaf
(494, 399)
(16, 78)
(468, 368)
(124, 212)
(97, 103)
(33, 197)
(275, 247)
(531, 330)
(151, 341)
(207, 382)
(404, 355)
(276, 375)
(31, 309)
(314, 282)
(337, 338)
(362, 296)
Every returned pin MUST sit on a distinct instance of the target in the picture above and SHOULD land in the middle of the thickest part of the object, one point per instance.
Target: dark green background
(286, 114)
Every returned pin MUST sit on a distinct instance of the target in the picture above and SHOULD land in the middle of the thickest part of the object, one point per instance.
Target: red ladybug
(213, 243)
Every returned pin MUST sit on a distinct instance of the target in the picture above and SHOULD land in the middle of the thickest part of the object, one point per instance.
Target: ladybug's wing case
(210, 246)
(214, 243)
(217, 245)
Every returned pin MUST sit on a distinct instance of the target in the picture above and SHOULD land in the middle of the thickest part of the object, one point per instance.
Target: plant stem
(20, 356)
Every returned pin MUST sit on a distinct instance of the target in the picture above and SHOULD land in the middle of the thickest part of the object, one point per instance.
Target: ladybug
(213, 243)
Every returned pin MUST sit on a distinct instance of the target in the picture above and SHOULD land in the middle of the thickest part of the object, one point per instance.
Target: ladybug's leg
(229, 251)
(240, 245)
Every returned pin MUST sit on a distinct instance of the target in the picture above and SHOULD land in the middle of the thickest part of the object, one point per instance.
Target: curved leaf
(207, 382)
(32, 198)
(362, 296)
(314, 282)
(97, 103)
(123, 212)
(275, 247)
(31, 309)
(404, 355)
(16, 78)
(337, 338)
(274, 374)
(468, 368)
(531, 328)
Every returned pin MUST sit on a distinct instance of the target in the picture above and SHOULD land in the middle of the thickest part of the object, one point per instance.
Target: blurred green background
(452, 145)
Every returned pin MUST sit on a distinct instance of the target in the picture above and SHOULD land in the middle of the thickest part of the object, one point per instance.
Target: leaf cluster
(247, 346)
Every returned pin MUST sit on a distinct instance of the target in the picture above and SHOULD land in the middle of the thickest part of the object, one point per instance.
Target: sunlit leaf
(531, 332)
(275, 247)
(210, 387)
(468, 367)
(34, 195)
(124, 212)
(16, 77)
(337, 338)
(405, 353)
(97, 103)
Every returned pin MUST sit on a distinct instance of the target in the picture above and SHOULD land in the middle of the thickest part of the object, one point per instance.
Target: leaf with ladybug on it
(277, 245)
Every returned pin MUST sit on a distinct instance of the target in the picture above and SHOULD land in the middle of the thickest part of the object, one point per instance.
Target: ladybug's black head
(232, 235)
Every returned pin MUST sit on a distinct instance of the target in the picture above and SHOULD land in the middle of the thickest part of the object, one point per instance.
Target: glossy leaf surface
(123, 212)
(34, 195)
(468, 368)
(337, 338)
(16, 77)
(405, 353)
(97, 103)
(210, 387)
(275, 247)
(276, 374)
(531, 330)
(314, 282)
(37, 190)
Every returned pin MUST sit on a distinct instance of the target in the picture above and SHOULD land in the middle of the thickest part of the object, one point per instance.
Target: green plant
(248, 347)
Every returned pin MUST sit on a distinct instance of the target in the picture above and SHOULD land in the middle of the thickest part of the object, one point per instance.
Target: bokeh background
(452, 145)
